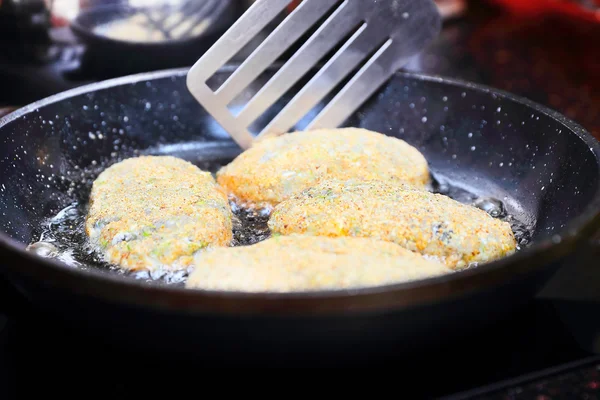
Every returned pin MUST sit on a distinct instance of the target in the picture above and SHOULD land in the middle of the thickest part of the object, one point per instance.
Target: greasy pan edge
(114, 288)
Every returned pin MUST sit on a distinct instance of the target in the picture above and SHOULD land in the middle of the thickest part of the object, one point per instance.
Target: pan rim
(573, 233)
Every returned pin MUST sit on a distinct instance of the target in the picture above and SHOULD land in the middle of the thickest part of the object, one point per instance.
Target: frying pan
(543, 167)
(113, 57)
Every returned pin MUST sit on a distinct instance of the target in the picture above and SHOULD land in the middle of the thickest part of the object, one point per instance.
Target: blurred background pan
(127, 37)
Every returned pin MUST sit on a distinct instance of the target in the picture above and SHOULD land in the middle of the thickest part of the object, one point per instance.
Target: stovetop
(33, 346)
(537, 354)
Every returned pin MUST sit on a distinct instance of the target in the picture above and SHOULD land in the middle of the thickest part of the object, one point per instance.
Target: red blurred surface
(548, 58)
(570, 8)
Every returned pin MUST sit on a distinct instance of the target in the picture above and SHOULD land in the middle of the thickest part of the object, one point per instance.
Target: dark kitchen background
(545, 50)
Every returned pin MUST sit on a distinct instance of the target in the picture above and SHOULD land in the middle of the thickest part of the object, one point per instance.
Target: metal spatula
(384, 33)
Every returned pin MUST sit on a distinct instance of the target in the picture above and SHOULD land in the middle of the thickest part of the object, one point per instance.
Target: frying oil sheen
(63, 236)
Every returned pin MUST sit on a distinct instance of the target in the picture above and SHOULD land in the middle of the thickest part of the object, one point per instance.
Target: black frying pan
(545, 169)
(116, 57)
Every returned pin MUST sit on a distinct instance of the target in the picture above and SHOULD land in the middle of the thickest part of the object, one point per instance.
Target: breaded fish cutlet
(306, 263)
(275, 168)
(431, 224)
(156, 212)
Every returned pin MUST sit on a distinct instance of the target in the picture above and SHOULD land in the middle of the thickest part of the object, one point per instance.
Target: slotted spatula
(384, 33)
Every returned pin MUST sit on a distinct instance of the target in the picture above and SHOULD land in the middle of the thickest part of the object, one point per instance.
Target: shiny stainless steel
(388, 32)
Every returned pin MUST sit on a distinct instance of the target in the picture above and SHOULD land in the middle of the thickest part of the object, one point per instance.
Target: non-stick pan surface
(544, 168)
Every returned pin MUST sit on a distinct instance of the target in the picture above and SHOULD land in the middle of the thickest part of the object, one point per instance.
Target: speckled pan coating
(277, 167)
(155, 212)
(305, 263)
(431, 224)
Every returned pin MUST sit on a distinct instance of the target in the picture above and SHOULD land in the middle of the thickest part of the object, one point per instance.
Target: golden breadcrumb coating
(305, 263)
(277, 167)
(431, 224)
(156, 212)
